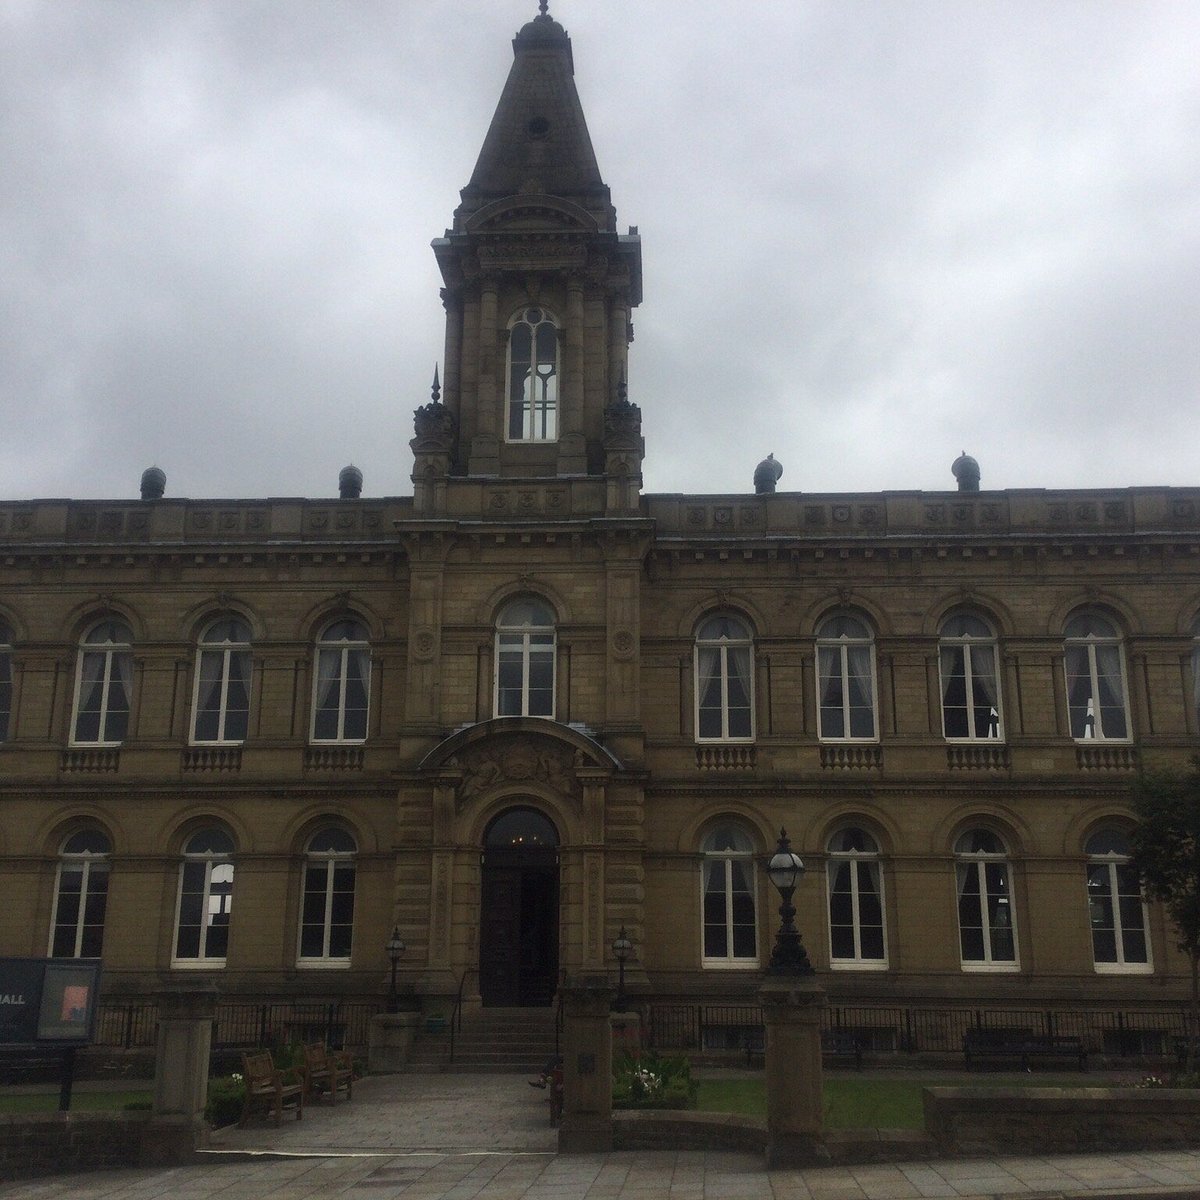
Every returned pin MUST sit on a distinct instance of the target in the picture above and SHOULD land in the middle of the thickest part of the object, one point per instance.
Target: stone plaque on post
(587, 1067)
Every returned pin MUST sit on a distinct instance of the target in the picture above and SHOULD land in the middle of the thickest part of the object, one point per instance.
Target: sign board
(48, 1000)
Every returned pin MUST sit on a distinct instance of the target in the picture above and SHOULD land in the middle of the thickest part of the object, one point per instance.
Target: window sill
(723, 964)
(322, 964)
(850, 965)
(198, 964)
(1124, 968)
(1002, 968)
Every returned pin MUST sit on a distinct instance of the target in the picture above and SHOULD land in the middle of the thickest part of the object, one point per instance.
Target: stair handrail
(456, 1014)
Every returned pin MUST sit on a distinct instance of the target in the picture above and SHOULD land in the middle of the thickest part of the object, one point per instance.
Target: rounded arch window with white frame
(846, 691)
(729, 913)
(205, 901)
(724, 665)
(526, 644)
(857, 939)
(327, 899)
(342, 682)
(80, 896)
(221, 698)
(1097, 695)
(987, 925)
(969, 673)
(532, 378)
(103, 685)
(1116, 912)
(6, 678)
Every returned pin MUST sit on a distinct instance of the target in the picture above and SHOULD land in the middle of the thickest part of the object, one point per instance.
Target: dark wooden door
(500, 936)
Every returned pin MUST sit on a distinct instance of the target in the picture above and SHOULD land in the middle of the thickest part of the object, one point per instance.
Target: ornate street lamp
(622, 947)
(395, 951)
(786, 869)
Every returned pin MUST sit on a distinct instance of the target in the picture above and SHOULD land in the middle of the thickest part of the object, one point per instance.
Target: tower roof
(538, 141)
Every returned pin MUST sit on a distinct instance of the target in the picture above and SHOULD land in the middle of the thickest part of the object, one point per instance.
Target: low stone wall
(984, 1121)
(56, 1143)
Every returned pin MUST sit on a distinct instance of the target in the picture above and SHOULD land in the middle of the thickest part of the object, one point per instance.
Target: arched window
(222, 698)
(986, 922)
(6, 678)
(727, 884)
(525, 643)
(970, 674)
(327, 906)
(856, 936)
(103, 685)
(80, 897)
(342, 684)
(533, 377)
(846, 679)
(205, 899)
(1115, 909)
(1095, 666)
(724, 680)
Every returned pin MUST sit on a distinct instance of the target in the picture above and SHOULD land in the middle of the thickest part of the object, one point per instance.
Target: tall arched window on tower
(724, 680)
(525, 644)
(6, 679)
(727, 894)
(1095, 667)
(327, 906)
(533, 377)
(967, 658)
(103, 685)
(342, 686)
(205, 899)
(986, 923)
(222, 701)
(856, 937)
(846, 679)
(77, 929)
(1115, 909)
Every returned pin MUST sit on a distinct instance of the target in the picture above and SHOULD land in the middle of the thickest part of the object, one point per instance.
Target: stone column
(792, 1008)
(587, 1066)
(185, 1020)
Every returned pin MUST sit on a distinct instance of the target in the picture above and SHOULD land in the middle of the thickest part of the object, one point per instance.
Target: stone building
(529, 705)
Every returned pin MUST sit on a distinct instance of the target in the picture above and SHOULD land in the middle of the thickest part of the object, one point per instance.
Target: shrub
(649, 1081)
(225, 1099)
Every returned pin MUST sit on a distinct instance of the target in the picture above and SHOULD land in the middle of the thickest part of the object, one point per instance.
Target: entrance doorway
(518, 921)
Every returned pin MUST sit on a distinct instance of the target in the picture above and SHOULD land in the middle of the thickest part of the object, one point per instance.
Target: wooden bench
(1021, 1045)
(1180, 1043)
(269, 1088)
(327, 1072)
(840, 1045)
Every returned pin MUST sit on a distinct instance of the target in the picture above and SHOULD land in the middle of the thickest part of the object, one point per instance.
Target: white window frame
(89, 863)
(858, 861)
(840, 645)
(342, 648)
(330, 860)
(518, 637)
(723, 860)
(7, 685)
(109, 651)
(1089, 644)
(965, 647)
(1112, 860)
(550, 412)
(723, 646)
(224, 651)
(213, 861)
(977, 861)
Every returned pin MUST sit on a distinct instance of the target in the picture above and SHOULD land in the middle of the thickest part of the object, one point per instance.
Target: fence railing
(903, 1029)
(132, 1024)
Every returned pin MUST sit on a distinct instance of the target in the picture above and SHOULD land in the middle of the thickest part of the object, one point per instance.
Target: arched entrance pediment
(518, 752)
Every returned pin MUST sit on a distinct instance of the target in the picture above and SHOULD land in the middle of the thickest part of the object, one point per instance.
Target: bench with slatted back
(327, 1072)
(269, 1088)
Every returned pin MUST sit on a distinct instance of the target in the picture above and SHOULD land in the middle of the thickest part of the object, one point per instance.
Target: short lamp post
(786, 869)
(395, 951)
(622, 947)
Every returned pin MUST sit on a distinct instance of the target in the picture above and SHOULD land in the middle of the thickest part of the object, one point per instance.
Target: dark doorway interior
(518, 928)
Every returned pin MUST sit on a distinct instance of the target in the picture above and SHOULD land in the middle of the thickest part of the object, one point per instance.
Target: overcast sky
(874, 234)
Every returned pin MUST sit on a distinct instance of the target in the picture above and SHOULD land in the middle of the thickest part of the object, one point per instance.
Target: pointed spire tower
(539, 287)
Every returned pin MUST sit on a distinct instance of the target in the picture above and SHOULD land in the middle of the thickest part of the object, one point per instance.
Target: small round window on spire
(538, 127)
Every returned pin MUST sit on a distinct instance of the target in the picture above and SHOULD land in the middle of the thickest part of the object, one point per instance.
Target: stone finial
(435, 392)
(766, 475)
(154, 483)
(966, 470)
(350, 481)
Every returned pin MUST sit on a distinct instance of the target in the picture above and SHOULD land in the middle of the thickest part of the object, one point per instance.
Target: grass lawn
(851, 1103)
(12, 1104)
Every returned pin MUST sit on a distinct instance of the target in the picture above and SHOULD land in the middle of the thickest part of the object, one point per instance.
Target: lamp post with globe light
(788, 957)
(395, 951)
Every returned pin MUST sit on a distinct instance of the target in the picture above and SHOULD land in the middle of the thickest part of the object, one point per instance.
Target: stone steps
(491, 1040)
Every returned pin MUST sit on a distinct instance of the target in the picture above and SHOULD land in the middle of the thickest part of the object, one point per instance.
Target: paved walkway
(458, 1137)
